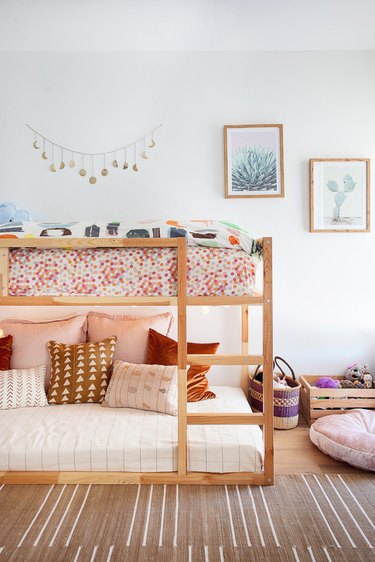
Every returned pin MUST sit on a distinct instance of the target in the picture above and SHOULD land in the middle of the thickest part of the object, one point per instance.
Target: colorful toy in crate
(327, 382)
(358, 376)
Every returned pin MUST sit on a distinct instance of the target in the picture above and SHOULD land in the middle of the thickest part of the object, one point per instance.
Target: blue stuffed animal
(10, 213)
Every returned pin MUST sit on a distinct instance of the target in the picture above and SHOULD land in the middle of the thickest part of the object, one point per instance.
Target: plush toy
(357, 376)
(279, 382)
(327, 382)
(355, 372)
(349, 384)
(10, 213)
(367, 380)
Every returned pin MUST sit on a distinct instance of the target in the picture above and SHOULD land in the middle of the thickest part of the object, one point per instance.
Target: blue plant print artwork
(254, 169)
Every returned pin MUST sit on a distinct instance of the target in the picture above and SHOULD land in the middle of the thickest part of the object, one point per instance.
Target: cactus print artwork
(339, 194)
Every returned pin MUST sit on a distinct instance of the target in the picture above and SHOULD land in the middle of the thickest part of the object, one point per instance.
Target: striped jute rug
(325, 518)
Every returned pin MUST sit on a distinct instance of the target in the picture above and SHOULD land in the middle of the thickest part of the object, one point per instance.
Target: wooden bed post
(182, 355)
(245, 347)
(4, 271)
(268, 363)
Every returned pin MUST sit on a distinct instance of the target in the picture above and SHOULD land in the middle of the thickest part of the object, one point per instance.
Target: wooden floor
(295, 454)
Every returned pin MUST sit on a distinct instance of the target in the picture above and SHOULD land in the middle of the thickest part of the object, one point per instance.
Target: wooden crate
(318, 402)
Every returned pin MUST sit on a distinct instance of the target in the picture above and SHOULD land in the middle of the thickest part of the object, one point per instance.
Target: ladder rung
(209, 359)
(225, 419)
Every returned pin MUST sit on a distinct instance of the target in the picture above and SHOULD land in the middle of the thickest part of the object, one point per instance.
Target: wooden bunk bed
(182, 302)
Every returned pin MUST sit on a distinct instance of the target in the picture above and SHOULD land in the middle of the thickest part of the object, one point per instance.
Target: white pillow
(22, 388)
(144, 387)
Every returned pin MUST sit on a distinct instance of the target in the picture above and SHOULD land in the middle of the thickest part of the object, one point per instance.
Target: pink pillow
(131, 332)
(348, 437)
(30, 339)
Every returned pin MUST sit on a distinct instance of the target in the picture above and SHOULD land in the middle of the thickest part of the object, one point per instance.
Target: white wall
(186, 25)
(323, 283)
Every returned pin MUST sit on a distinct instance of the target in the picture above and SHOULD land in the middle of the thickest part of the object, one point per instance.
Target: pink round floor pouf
(348, 437)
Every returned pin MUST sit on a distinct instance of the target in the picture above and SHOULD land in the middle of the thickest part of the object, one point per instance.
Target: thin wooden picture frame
(340, 195)
(244, 144)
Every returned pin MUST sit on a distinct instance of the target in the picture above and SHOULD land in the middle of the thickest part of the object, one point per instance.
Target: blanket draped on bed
(209, 233)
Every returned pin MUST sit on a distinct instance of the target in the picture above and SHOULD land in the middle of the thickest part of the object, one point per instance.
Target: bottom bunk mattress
(88, 437)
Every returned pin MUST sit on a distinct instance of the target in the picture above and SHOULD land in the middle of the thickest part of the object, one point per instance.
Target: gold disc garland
(52, 166)
(135, 167)
(82, 171)
(144, 153)
(126, 165)
(35, 143)
(104, 171)
(152, 143)
(44, 154)
(62, 163)
(147, 140)
(92, 178)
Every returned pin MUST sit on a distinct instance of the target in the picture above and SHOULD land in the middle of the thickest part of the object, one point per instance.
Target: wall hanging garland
(62, 156)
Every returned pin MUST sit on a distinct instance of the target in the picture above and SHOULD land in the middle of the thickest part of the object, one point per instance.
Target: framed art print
(253, 159)
(339, 195)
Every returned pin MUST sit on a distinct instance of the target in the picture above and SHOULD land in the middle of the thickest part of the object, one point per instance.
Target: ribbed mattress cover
(89, 437)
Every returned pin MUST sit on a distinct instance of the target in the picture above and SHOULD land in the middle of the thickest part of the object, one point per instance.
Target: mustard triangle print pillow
(80, 373)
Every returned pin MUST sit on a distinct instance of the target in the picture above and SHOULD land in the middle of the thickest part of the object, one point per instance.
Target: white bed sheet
(88, 437)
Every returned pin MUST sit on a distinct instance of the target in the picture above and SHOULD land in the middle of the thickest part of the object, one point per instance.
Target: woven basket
(285, 400)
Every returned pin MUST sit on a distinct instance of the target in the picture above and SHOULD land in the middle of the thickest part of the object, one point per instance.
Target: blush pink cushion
(348, 437)
(30, 339)
(131, 332)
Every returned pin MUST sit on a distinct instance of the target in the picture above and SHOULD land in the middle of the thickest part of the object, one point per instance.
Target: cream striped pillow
(23, 388)
(144, 387)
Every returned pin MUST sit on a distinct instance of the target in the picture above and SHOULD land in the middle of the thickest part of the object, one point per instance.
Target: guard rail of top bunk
(265, 419)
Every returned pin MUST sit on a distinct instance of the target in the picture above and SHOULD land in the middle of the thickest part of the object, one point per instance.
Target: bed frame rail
(182, 301)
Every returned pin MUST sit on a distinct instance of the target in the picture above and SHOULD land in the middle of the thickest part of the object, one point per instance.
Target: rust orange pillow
(162, 350)
(5, 352)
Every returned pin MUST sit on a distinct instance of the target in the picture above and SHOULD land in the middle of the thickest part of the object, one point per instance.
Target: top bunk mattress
(128, 272)
(221, 260)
